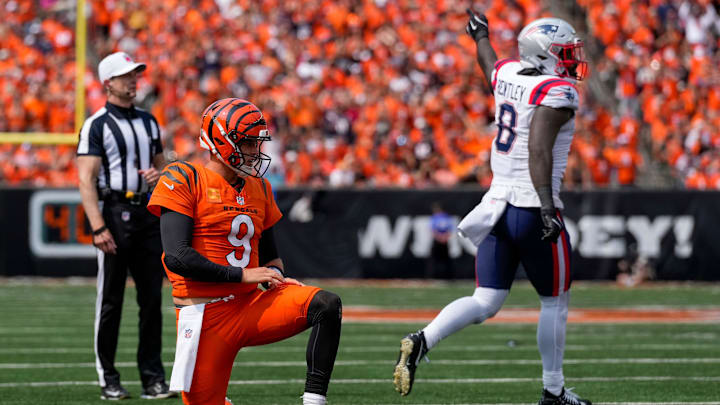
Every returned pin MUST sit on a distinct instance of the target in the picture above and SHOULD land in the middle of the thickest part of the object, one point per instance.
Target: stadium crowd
(379, 93)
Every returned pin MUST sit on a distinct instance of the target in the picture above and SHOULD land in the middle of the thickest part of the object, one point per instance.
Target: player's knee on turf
(490, 299)
(325, 306)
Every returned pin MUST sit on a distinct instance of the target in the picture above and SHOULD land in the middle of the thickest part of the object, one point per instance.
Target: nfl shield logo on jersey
(240, 200)
(188, 333)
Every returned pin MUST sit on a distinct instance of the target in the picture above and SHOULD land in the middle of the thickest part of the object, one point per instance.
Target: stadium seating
(373, 93)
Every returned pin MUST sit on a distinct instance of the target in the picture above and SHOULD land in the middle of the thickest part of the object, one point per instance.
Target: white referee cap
(117, 64)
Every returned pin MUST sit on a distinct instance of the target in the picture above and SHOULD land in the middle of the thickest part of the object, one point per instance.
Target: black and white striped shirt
(127, 139)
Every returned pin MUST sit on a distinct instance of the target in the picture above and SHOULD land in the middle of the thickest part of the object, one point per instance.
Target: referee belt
(125, 197)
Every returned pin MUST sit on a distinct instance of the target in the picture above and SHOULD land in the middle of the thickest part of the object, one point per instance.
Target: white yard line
(575, 332)
(300, 363)
(531, 346)
(421, 380)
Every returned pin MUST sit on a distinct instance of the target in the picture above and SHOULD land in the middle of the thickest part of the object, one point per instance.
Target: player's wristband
(276, 268)
(546, 198)
(235, 274)
(99, 230)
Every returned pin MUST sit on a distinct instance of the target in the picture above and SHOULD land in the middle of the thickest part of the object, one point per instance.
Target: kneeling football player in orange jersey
(217, 233)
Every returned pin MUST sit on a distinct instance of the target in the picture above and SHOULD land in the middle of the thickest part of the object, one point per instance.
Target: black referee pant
(137, 236)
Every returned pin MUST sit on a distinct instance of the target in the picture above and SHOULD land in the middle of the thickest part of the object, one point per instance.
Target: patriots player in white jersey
(519, 218)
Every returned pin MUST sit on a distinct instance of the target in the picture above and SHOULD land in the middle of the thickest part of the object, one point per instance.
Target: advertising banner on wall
(44, 233)
(386, 233)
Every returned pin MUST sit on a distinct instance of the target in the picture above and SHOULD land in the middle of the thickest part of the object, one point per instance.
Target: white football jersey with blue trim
(516, 98)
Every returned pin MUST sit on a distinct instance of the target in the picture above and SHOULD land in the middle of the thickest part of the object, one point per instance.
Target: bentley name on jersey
(516, 98)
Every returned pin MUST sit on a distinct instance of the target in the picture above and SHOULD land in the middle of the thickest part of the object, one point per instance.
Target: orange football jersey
(227, 224)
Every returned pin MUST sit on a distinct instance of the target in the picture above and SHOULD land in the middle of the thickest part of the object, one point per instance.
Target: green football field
(46, 354)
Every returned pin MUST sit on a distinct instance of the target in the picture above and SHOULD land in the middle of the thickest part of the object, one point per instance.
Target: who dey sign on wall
(593, 236)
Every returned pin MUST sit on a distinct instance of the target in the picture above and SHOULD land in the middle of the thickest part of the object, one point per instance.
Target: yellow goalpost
(49, 138)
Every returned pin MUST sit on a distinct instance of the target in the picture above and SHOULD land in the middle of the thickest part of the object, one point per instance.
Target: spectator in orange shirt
(354, 61)
(624, 161)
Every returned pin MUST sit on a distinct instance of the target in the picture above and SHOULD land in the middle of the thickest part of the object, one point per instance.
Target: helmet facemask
(551, 46)
(570, 59)
(246, 158)
(254, 163)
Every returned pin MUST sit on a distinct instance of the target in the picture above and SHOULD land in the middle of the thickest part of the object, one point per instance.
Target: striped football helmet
(233, 130)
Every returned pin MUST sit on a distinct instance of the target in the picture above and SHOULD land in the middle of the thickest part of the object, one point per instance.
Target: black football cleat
(412, 349)
(566, 397)
(113, 392)
(158, 390)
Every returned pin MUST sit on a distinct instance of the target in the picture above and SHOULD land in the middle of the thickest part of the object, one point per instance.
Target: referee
(119, 158)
